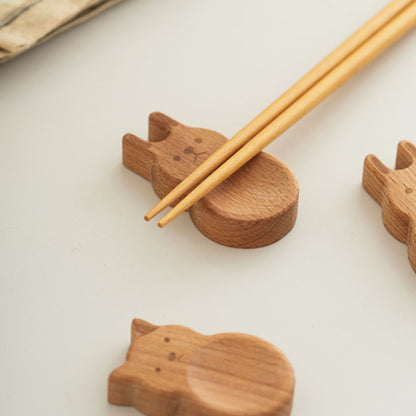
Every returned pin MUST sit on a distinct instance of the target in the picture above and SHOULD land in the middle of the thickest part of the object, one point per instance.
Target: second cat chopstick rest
(173, 370)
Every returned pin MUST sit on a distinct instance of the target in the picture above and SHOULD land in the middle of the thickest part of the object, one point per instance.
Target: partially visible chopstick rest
(377, 44)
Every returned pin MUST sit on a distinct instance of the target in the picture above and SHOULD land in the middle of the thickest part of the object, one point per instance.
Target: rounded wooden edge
(241, 375)
(239, 233)
(247, 234)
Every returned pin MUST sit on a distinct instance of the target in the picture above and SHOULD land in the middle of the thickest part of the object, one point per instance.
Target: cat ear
(140, 328)
(406, 155)
(138, 155)
(160, 126)
(375, 177)
(120, 387)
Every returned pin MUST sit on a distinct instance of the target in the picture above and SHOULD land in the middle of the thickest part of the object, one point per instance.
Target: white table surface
(78, 262)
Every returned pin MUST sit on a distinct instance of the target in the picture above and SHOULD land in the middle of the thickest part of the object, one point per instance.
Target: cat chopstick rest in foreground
(173, 370)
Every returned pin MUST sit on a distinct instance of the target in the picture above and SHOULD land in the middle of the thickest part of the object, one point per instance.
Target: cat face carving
(254, 207)
(395, 191)
(173, 370)
(172, 152)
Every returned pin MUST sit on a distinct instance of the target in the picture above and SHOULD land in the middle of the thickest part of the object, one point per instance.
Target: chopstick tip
(151, 214)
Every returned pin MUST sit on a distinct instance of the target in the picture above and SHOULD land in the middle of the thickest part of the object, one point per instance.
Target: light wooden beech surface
(173, 370)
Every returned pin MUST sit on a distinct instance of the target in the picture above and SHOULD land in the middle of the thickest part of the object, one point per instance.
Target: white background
(78, 262)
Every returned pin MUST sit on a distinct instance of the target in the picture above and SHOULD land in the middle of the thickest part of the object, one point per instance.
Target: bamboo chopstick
(377, 44)
(282, 103)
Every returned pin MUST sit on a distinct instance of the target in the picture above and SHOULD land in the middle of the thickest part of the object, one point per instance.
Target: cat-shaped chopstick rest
(255, 207)
(172, 370)
(395, 191)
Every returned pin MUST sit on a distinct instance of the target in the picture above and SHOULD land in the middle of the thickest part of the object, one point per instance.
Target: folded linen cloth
(26, 23)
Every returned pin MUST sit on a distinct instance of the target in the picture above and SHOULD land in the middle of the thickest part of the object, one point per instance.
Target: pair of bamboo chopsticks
(380, 32)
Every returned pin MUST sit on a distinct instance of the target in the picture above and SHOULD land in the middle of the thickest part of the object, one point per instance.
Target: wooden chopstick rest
(395, 191)
(255, 207)
(173, 370)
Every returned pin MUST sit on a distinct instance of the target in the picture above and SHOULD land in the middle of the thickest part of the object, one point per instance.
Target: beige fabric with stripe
(26, 23)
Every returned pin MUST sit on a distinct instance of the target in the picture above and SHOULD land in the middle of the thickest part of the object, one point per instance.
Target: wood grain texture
(395, 191)
(253, 208)
(173, 370)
